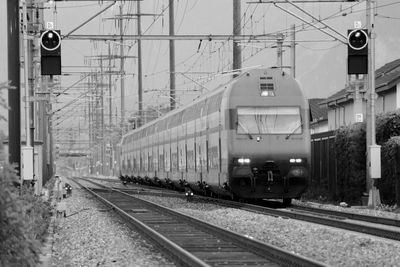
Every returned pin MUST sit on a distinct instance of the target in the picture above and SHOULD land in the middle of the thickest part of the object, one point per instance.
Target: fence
(323, 162)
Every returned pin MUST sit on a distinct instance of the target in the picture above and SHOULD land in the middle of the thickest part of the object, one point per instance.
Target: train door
(174, 147)
(167, 151)
(149, 151)
(182, 148)
(155, 146)
(191, 150)
(145, 153)
(204, 142)
(161, 160)
(213, 140)
(198, 156)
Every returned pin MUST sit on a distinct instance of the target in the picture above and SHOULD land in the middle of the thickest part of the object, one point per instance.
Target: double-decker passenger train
(248, 139)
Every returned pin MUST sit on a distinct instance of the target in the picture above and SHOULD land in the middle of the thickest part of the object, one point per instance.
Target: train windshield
(269, 120)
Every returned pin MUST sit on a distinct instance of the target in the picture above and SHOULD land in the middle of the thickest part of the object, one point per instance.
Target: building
(319, 116)
(343, 110)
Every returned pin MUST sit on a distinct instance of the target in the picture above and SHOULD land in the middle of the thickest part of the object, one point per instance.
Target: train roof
(218, 89)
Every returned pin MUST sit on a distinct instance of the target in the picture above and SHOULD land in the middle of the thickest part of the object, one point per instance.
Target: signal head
(357, 39)
(50, 40)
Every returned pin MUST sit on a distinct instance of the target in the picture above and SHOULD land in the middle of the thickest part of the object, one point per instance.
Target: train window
(269, 120)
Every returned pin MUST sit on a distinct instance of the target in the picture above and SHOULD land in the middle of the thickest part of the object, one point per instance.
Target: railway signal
(50, 51)
(357, 51)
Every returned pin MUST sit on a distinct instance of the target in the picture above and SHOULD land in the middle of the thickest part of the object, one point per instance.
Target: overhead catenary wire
(215, 48)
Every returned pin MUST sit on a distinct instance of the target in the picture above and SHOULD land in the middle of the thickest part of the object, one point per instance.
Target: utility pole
(373, 150)
(96, 123)
(237, 30)
(122, 57)
(293, 51)
(140, 86)
(14, 113)
(109, 111)
(122, 62)
(102, 141)
(172, 56)
(36, 107)
(50, 130)
(109, 87)
(27, 150)
(92, 138)
(31, 78)
(279, 50)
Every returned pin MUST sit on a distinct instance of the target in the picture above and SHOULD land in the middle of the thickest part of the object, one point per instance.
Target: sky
(320, 60)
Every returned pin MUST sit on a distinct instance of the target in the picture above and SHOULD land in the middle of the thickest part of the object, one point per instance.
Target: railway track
(348, 215)
(191, 242)
(381, 227)
(377, 226)
(373, 225)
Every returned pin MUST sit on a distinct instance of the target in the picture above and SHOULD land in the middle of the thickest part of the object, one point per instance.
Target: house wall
(398, 96)
(343, 115)
(320, 127)
(340, 115)
(386, 101)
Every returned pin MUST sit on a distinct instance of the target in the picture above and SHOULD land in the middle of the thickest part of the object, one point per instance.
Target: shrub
(24, 222)
(390, 171)
(387, 126)
(350, 149)
(318, 191)
(351, 162)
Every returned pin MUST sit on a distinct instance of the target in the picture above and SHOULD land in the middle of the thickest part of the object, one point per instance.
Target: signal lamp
(357, 51)
(50, 52)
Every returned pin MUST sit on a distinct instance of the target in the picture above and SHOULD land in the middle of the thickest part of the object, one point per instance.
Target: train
(247, 139)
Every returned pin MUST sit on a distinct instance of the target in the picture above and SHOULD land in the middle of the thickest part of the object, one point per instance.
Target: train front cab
(270, 147)
(263, 178)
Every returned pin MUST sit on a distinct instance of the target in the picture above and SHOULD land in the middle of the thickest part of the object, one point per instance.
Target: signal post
(373, 150)
(361, 60)
(50, 61)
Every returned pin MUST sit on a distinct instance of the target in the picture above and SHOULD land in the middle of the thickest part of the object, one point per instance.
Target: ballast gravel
(357, 209)
(325, 244)
(91, 235)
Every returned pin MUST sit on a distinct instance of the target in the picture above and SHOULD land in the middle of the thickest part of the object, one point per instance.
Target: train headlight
(295, 160)
(244, 161)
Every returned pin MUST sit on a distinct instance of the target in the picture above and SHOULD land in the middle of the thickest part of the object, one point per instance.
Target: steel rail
(350, 215)
(180, 255)
(266, 251)
(337, 220)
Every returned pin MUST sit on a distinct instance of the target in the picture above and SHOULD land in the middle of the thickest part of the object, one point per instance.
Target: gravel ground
(325, 244)
(357, 209)
(111, 243)
(90, 235)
